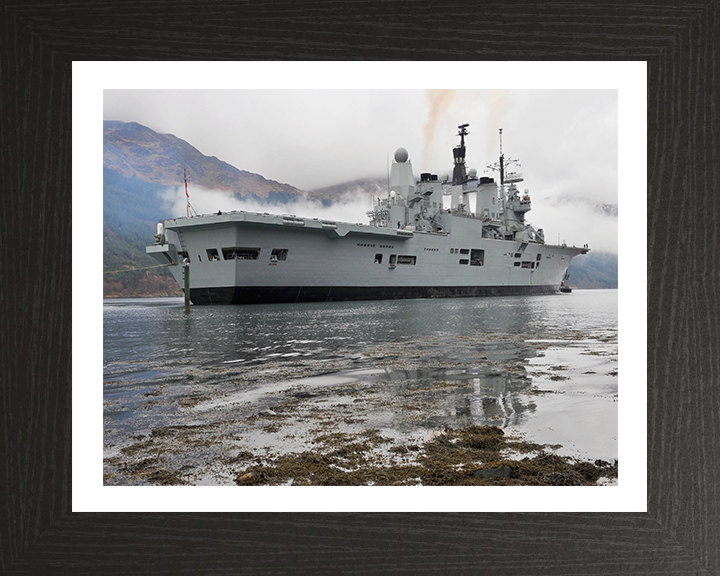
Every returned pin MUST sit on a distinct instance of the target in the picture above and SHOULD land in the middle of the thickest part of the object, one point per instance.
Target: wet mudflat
(451, 405)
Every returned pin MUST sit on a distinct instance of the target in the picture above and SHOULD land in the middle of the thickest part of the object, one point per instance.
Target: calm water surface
(149, 338)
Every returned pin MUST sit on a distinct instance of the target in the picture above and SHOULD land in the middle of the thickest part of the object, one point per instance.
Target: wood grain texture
(680, 534)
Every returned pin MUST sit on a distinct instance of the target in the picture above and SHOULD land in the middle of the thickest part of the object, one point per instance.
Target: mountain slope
(131, 210)
(133, 150)
(594, 270)
(139, 166)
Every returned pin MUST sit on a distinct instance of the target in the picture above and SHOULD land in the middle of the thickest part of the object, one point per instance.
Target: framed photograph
(63, 515)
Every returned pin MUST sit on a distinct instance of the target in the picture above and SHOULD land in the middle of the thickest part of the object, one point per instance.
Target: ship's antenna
(187, 196)
(501, 164)
(502, 161)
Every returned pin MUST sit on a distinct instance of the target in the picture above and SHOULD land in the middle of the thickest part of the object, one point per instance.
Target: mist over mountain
(143, 183)
(370, 187)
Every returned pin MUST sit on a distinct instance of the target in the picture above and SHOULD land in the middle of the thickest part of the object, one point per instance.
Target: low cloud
(576, 223)
(351, 207)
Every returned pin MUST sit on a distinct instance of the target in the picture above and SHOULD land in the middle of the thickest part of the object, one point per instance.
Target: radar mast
(459, 174)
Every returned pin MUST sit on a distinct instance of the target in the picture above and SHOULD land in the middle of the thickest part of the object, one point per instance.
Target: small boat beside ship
(564, 288)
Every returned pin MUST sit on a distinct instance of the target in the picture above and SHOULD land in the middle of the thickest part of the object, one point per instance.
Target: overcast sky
(566, 140)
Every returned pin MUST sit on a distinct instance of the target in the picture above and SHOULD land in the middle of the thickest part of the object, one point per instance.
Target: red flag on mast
(186, 193)
(189, 206)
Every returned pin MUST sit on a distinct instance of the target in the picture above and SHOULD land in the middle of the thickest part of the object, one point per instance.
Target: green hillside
(131, 210)
(594, 270)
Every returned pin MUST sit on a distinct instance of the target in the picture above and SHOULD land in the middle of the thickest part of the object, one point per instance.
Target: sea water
(545, 367)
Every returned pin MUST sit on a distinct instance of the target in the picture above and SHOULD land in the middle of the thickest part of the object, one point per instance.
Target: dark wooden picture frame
(39, 534)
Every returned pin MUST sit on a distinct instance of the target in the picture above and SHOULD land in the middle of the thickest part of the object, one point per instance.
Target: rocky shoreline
(470, 456)
(358, 421)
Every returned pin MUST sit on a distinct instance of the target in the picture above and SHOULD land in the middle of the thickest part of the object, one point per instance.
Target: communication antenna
(190, 209)
(502, 164)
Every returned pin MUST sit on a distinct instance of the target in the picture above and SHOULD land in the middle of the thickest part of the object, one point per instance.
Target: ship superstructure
(424, 239)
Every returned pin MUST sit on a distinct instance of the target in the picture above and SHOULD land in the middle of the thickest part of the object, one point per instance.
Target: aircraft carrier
(436, 237)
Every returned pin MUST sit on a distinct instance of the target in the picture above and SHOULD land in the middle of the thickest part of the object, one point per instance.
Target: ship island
(423, 240)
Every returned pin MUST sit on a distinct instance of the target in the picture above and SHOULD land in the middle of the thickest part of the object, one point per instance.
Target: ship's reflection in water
(455, 398)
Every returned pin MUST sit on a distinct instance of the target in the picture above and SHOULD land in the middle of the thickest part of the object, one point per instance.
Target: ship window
(538, 257)
(407, 260)
(464, 261)
(393, 259)
(279, 254)
(477, 257)
(526, 264)
(517, 264)
(199, 259)
(518, 254)
(241, 253)
(378, 258)
(212, 255)
(464, 251)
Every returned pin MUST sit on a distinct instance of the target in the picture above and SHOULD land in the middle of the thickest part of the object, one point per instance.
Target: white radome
(401, 155)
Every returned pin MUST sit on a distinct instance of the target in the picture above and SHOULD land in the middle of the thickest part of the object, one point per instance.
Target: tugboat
(563, 288)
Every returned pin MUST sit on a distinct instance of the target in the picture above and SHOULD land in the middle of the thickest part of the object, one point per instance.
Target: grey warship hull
(413, 247)
(231, 261)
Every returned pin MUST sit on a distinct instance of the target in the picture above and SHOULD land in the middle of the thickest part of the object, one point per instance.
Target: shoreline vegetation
(140, 285)
(468, 456)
